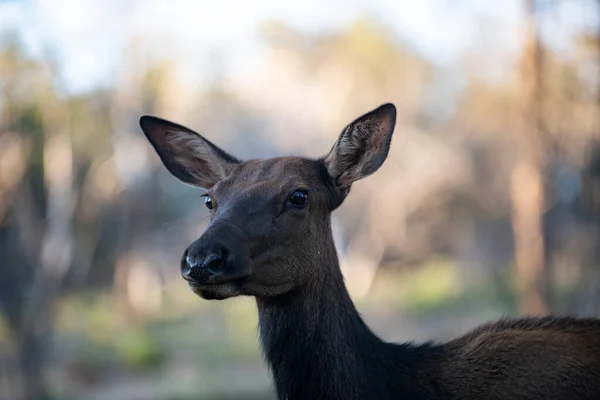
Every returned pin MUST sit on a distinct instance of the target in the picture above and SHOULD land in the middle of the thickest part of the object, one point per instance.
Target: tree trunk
(527, 184)
(35, 330)
(31, 362)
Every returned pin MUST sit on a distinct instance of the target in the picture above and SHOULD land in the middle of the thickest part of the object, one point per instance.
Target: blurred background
(487, 205)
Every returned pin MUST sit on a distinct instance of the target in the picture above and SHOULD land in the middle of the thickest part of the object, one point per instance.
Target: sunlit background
(487, 205)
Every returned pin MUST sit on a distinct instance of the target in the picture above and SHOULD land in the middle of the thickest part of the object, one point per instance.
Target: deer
(269, 236)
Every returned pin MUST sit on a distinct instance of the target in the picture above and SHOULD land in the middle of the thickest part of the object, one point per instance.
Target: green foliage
(138, 349)
(102, 341)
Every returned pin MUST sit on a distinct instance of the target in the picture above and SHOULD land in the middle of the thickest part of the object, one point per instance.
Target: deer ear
(186, 154)
(362, 146)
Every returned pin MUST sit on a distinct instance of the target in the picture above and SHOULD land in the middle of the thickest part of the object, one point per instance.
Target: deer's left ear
(362, 147)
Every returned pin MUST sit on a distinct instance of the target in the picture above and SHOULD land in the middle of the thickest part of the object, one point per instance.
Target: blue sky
(90, 36)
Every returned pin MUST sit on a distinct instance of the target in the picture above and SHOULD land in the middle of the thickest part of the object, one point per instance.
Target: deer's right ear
(187, 155)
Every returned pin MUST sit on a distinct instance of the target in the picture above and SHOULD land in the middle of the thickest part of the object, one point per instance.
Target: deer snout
(201, 265)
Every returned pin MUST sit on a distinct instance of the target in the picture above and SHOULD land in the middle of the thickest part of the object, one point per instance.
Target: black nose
(197, 266)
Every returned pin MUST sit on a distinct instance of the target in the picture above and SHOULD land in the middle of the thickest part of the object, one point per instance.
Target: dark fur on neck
(318, 347)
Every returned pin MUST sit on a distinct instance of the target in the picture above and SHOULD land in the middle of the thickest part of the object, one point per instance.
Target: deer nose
(197, 266)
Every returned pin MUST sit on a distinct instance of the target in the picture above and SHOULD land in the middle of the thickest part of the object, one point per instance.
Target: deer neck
(318, 347)
(314, 340)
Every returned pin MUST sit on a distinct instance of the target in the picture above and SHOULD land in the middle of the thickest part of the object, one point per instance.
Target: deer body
(270, 237)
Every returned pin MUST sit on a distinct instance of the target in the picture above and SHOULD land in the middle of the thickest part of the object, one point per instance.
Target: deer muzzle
(217, 257)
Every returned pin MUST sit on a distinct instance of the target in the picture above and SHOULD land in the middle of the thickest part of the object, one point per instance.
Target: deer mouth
(219, 290)
(219, 275)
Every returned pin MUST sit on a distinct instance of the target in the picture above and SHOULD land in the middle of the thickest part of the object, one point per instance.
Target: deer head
(269, 224)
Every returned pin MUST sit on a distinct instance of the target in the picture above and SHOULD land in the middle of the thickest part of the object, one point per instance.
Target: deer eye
(208, 202)
(299, 198)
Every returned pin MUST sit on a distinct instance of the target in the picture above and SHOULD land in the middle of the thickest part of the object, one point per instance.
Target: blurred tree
(34, 226)
(334, 76)
(556, 100)
(527, 184)
(49, 233)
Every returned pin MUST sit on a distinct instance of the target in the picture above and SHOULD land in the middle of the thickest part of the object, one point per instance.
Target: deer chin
(218, 291)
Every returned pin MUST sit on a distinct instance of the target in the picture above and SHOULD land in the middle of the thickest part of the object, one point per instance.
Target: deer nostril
(213, 263)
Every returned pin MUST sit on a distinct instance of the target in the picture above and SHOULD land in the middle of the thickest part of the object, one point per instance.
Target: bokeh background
(487, 205)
